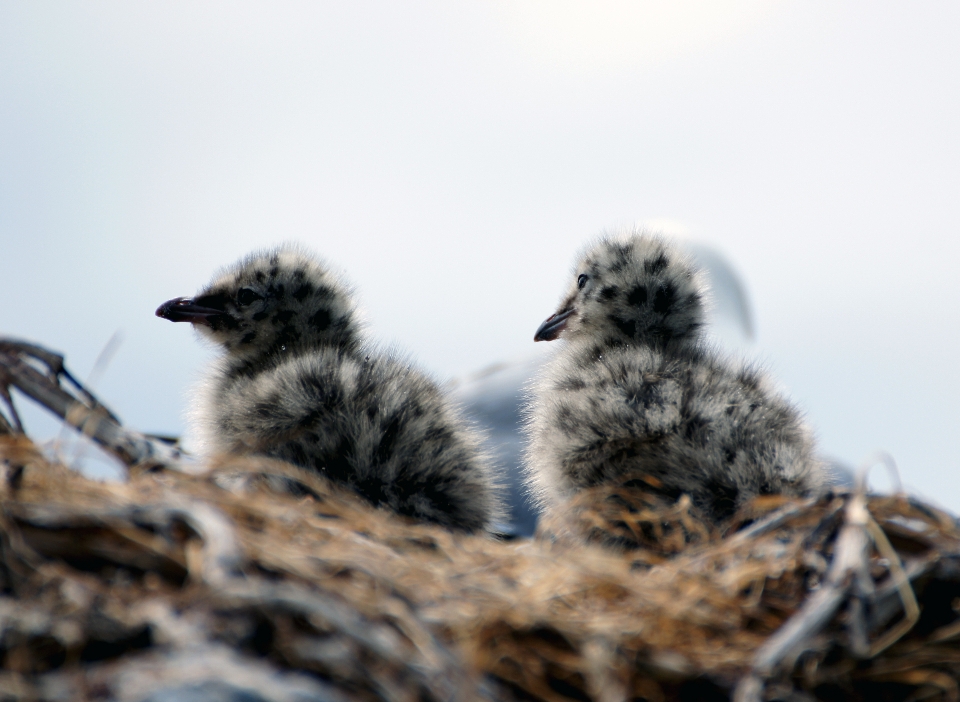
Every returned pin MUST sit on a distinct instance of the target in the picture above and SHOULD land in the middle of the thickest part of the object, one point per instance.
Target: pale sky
(452, 157)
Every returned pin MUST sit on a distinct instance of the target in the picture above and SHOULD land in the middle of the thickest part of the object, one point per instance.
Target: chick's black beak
(184, 309)
(553, 325)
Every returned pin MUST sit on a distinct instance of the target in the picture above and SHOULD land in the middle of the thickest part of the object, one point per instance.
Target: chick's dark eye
(247, 296)
(581, 281)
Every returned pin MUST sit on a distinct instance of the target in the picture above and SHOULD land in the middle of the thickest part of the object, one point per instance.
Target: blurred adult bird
(635, 392)
(297, 381)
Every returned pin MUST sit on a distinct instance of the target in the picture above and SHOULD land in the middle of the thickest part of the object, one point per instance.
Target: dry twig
(76, 406)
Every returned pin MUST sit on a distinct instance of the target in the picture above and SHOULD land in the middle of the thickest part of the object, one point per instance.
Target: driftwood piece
(37, 373)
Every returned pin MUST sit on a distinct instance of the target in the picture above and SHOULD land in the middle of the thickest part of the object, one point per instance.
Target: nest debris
(256, 580)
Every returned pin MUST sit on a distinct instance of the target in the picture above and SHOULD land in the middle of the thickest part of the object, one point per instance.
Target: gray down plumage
(298, 382)
(635, 392)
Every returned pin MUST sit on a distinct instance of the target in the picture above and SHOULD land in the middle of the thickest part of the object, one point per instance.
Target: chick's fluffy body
(634, 392)
(298, 382)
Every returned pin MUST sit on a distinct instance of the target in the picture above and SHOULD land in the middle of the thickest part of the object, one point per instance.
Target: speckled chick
(635, 392)
(297, 382)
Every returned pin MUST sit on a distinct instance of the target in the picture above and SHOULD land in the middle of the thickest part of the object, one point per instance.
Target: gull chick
(635, 393)
(296, 381)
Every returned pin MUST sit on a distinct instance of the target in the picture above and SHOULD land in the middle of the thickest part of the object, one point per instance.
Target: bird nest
(255, 580)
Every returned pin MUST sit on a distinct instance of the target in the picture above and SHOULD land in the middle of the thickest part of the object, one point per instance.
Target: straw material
(252, 580)
(171, 581)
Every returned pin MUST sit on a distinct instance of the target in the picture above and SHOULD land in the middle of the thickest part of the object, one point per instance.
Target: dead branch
(80, 409)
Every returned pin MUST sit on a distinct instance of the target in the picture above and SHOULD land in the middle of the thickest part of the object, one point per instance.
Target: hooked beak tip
(166, 310)
(553, 325)
(184, 309)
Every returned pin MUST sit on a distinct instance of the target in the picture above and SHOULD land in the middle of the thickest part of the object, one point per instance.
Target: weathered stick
(848, 572)
(848, 577)
(81, 411)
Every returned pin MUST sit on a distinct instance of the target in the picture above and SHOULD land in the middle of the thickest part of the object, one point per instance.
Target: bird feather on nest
(230, 585)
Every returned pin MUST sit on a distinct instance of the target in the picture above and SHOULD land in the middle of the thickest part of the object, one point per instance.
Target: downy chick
(634, 392)
(297, 382)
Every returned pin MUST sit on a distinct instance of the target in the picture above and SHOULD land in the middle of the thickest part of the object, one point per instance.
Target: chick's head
(270, 302)
(633, 289)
